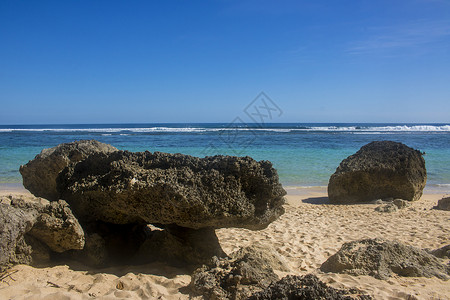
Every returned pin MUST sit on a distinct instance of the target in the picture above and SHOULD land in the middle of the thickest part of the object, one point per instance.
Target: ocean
(304, 154)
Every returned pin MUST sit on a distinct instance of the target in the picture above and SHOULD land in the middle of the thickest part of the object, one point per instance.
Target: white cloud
(410, 36)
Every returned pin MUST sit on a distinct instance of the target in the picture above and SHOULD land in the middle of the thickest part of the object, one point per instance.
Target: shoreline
(290, 189)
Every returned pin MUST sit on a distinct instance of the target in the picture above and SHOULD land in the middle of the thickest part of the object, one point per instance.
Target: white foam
(399, 128)
(350, 129)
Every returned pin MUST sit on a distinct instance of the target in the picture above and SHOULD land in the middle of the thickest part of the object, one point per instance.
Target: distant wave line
(356, 129)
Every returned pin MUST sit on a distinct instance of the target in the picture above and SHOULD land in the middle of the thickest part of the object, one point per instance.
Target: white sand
(306, 235)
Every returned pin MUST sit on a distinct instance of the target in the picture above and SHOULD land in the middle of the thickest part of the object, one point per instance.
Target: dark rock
(379, 170)
(304, 288)
(109, 244)
(233, 278)
(146, 188)
(444, 204)
(443, 252)
(180, 246)
(41, 254)
(39, 175)
(380, 258)
(94, 253)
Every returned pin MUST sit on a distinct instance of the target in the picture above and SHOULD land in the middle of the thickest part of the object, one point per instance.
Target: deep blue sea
(304, 154)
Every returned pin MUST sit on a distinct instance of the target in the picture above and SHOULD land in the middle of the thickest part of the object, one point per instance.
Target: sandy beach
(308, 233)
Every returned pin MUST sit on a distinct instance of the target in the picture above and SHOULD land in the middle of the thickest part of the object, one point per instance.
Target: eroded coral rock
(381, 258)
(379, 170)
(444, 203)
(39, 175)
(147, 188)
(32, 227)
(244, 273)
(305, 288)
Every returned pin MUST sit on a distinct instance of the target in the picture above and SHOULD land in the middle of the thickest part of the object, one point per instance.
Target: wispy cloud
(412, 36)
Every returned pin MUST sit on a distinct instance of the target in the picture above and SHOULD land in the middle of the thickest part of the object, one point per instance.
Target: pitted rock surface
(220, 191)
(32, 227)
(39, 175)
(381, 258)
(305, 288)
(236, 277)
(379, 170)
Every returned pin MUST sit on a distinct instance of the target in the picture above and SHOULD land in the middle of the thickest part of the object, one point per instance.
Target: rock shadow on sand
(317, 201)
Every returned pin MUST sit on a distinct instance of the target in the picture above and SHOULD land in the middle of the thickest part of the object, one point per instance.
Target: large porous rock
(236, 277)
(39, 175)
(379, 170)
(180, 246)
(32, 228)
(220, 191)
(444, 203)
(305, 288)
(380, 258)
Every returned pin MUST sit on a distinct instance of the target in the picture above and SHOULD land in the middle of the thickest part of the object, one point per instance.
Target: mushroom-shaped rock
(39, 175)
(160, 188)
(379, 170)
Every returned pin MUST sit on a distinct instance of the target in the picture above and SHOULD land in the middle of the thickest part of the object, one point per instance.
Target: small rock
(443, 252)
(444, 204)
(381, 258)
(265, 253)
(387, 208)
(400, 203)
(304, 288)
(234, 278)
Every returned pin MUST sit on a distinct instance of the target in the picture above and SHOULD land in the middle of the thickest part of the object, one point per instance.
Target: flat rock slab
(379, 170)
(381, 258)
(161, 188)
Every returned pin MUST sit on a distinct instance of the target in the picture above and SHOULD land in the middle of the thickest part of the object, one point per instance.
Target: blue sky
(204, 61)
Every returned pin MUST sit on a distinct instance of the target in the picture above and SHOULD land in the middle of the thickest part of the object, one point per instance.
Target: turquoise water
(303, 154)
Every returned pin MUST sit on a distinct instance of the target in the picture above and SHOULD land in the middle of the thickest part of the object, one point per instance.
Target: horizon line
(259, 124)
